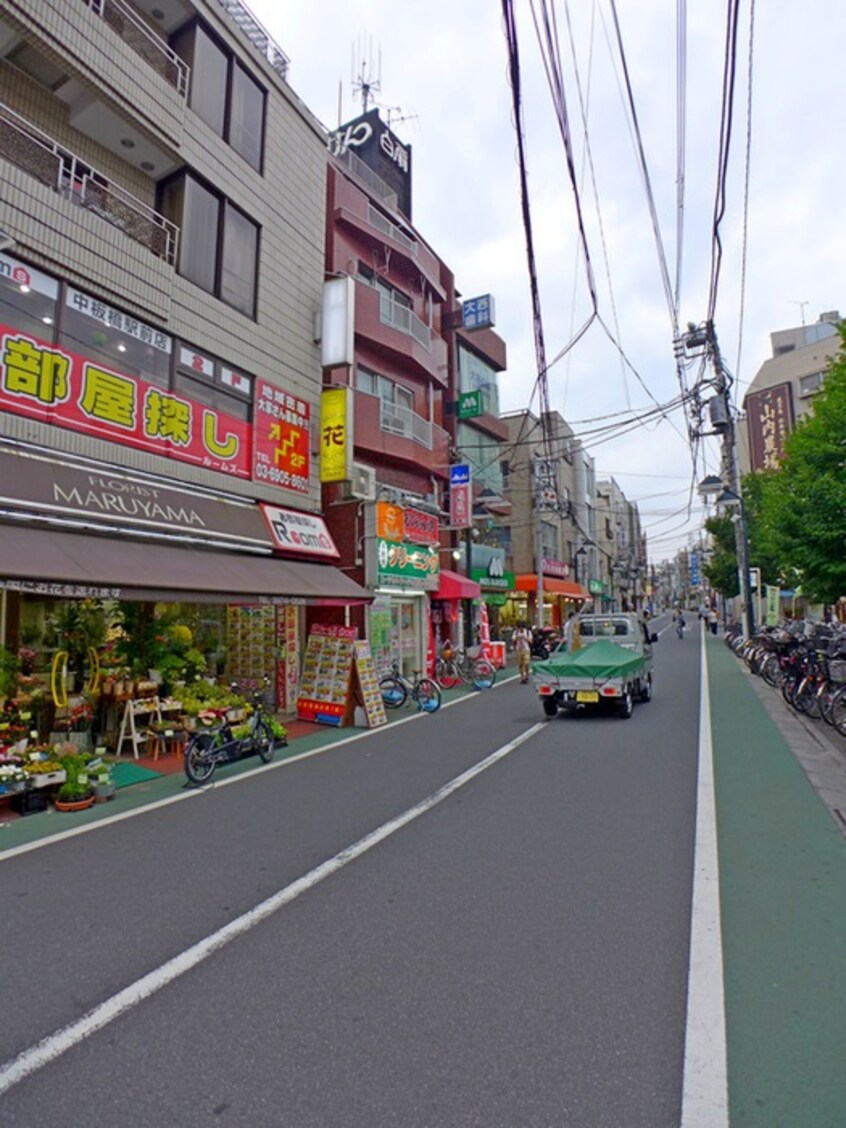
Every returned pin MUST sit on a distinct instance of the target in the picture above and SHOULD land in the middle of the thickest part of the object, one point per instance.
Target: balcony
(402, 339)
(258, 36)
(398, 433)
(56, 167)
(138, 35)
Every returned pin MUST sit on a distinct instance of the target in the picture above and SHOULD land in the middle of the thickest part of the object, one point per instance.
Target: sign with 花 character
(281, 428)
(478, 313)
(336, 434)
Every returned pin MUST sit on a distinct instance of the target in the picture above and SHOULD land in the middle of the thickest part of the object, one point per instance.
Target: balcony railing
(400, 420)
(144, 42)
(400, 317)
(381, 223)
(367, 176)
(39, 155)
(258, 36)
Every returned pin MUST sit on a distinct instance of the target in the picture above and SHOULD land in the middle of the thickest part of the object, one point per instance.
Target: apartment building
(783, 389)
(162, 266)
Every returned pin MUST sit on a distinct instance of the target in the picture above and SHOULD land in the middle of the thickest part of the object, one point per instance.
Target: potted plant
(73, 797)
(12, 778)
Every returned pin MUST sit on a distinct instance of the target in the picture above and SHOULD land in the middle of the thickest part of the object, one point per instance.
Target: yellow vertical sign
(336, 440)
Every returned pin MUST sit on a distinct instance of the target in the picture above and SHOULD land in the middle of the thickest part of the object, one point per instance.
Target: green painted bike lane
(783, 904)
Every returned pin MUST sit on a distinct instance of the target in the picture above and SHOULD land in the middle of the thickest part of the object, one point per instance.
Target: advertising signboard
(478, 313)
(293, 531)
(336, 437)
(59, 387)
(460, 496)
(407, 565)
(281, 429)
(769, 418)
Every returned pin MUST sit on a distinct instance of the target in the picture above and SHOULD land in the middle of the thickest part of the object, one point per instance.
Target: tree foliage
(721, 568)
(802, 505)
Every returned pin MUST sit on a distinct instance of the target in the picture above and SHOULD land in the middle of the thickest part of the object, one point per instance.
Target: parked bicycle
(454, 667)
(396, 688)
(229, 740)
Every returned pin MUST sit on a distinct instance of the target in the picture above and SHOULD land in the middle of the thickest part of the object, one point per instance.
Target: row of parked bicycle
(807, 662)
(452, 668)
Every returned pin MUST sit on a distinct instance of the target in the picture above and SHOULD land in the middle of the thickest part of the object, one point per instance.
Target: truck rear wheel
(626, 705)
(646, 690)
(550, 706)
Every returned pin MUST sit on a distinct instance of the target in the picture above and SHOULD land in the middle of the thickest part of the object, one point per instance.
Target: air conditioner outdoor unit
(363, 483)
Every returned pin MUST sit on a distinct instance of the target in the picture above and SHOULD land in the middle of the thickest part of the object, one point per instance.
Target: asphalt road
(515, 954)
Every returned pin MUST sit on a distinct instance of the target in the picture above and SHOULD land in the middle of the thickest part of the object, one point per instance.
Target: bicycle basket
(837, 670)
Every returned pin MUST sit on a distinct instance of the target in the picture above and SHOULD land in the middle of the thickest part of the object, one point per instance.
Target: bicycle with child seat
(454, 667)
(396, 688)
(227, 740)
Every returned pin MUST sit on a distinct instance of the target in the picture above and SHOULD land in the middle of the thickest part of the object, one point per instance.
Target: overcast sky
(441, 66)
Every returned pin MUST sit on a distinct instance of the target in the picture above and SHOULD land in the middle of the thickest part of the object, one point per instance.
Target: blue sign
(694, 569)
(459, 475)
(478, 313)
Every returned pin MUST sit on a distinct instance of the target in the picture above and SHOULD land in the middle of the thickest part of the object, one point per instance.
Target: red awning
(528, 581)
(455, 586)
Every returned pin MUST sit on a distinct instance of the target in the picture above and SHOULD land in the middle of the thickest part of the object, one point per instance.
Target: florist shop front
(115, 584)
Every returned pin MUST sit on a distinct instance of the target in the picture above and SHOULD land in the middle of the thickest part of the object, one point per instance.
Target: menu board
(325, 680)
(368, 684)
(288, 666)
(251, 643)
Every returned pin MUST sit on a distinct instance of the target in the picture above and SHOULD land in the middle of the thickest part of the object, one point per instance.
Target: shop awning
(455, 586)
(40, 559)
(528, 581)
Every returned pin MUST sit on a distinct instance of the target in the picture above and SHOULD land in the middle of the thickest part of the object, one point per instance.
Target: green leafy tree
(721, 568)
(803, 503)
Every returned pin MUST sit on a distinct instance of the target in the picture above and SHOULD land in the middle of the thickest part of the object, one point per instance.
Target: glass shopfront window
(115, 339)
(28, 299)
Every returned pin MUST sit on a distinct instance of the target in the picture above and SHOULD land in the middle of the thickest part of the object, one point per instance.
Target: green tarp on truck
(601, 659)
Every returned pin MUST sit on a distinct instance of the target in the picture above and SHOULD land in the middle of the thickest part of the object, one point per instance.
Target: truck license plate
(587, 696)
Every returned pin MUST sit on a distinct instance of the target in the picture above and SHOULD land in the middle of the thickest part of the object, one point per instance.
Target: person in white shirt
(523, 649)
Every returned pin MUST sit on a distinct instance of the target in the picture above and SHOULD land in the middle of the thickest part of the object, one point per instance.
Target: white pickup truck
(609, 661)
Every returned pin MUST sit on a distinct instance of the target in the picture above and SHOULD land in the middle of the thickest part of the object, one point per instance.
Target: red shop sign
(421, 528)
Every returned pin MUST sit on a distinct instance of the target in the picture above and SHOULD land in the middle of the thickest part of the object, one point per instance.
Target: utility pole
(722, 422)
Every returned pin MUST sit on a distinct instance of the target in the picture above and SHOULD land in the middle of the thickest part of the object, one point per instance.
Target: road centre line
(195, 793)
(705, 1084)
(58, 1043)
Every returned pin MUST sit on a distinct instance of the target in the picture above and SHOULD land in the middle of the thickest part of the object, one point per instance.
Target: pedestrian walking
(523, 649)
(713, 620)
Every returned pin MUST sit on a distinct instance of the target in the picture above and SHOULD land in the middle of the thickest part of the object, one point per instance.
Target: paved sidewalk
(780, 787)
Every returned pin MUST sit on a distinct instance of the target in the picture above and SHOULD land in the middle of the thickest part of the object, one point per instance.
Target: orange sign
(389, 521)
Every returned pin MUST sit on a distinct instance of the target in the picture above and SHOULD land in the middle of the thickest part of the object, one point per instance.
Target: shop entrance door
(406, 633)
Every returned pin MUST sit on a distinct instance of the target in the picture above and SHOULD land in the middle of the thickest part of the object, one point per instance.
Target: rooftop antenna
(395, 114)
(364, 82)
(802, 309)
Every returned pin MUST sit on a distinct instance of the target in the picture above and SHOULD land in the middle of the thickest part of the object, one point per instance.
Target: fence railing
(258, 36)
(25, 146)
(400, 420)
(144, 42)
(400, 317)
(383, 224)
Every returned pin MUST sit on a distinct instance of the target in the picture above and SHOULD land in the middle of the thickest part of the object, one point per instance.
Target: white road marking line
(705, 1086)
(58, 1043)
(110, 820)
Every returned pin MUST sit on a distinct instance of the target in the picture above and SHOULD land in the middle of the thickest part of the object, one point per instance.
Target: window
(810, 385)
(116, 340)
(223, 93)
(239, 261)
(218, 246)
(204, 379)
(475, 375)
(28, 299)
(246, 117)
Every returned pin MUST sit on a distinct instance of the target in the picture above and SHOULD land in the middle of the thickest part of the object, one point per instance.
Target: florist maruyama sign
(51, 384)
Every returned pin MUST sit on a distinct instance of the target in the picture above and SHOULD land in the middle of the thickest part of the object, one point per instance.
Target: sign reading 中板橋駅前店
(407, 565)
(293, 531)
(53, 385)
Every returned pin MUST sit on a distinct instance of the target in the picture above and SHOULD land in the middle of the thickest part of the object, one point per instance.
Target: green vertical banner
(773, 603)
